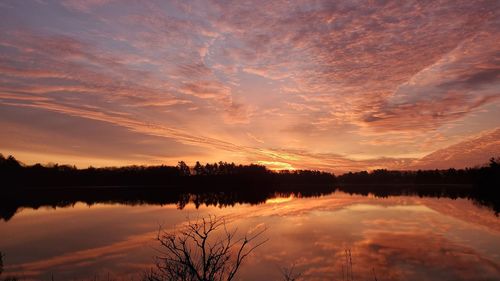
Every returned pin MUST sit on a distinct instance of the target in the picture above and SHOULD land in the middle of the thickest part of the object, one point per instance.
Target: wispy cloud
(471, 152)
(339, 85)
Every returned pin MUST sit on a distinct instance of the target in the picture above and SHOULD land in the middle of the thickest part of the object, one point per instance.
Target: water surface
(395, 238)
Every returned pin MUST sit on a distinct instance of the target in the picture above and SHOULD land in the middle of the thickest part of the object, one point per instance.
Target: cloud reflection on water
(401, 238)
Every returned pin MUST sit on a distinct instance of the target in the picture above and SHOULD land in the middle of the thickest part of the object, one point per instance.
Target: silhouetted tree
(289, 273)
(184, 169)
(199, 169)
(9, 163)
(203, 250)
(495, 163)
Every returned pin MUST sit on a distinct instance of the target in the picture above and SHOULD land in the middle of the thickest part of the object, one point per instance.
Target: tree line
(15, 174)
(488, 174)
(480, 184)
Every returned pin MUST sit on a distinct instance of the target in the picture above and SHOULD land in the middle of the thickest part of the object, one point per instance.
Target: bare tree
(203, 250)
(289, 274)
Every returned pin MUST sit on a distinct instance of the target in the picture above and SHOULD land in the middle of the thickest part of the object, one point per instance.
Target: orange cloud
(338, 86)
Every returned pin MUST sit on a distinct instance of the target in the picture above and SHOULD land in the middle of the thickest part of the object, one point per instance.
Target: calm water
(398, 238)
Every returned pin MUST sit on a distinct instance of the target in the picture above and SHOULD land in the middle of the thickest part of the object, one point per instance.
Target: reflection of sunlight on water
(279, 200)
(367, 207)
(402, 237)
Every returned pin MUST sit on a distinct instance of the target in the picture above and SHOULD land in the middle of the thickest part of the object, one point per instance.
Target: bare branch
(289, 273)
(197, 253)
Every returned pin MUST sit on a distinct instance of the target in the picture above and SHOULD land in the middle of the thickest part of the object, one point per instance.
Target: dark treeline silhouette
(217, 175)
(486, 175)
(219, 184)
(225, 184)
(11, 202)
(480, 184)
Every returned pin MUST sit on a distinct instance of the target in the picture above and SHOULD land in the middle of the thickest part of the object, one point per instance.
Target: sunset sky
(329, 85)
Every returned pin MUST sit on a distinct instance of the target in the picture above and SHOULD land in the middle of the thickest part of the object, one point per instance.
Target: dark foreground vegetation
(226, 184)
(203, 250)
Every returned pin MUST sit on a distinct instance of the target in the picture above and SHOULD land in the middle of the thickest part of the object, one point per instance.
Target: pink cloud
(468, 153)
(338, 85)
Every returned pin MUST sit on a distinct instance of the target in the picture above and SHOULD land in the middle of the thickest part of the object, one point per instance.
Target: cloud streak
(338, 86)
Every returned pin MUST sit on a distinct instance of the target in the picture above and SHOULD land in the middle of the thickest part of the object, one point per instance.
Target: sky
(328, 85)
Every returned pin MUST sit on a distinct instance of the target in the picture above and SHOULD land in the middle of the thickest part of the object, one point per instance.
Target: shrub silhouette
(203, 250)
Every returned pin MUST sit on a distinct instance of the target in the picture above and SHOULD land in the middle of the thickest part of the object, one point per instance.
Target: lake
(391, 238)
